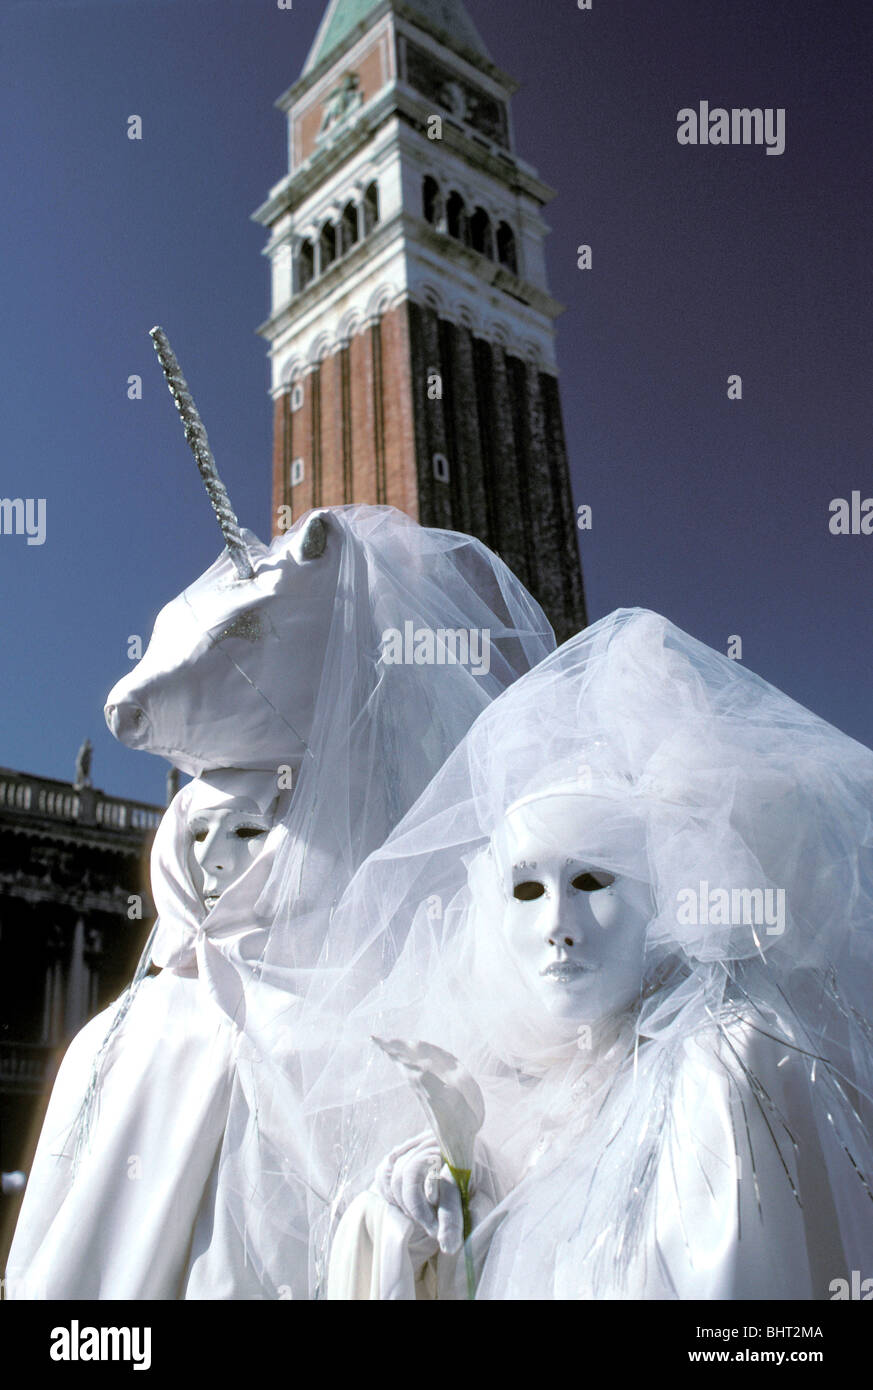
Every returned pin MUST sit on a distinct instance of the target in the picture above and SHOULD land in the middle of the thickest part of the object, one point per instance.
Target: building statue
(83, 765)
(172, 783)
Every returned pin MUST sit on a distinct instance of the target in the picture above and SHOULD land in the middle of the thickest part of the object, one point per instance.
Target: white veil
(298, 677)
(703, 777)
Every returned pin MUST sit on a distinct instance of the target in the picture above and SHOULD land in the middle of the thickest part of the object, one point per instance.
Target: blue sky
(706, 262)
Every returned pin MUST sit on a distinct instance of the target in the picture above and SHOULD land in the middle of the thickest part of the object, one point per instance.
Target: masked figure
(119, 1207)
(345, 661)
(637, 906)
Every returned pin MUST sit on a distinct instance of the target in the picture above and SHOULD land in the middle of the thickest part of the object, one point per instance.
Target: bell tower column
(411, 333)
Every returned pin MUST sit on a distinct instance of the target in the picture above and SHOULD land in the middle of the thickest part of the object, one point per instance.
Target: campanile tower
(412, 331)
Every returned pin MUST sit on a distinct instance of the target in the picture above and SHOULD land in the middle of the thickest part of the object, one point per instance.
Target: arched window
(371, 208)
(327, 246)
(456, 217)
(349, 226)
(481, 236)
(431, 200)
(305, 265)
(506, 247)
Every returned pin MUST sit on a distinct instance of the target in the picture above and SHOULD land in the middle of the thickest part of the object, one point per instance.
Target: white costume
(195, 1175)
(118, 1204)
(637, 904)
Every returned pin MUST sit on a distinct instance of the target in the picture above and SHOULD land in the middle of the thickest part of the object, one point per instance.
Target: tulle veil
(704, 778)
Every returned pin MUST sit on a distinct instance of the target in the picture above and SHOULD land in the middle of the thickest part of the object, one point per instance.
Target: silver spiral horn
(195, 434)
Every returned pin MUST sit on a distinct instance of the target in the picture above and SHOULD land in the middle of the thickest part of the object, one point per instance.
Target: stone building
(412, 329)
(74, 916)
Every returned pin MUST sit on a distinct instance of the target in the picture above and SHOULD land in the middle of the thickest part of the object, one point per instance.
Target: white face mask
(577, 932)
(224, 841)
(229, 817)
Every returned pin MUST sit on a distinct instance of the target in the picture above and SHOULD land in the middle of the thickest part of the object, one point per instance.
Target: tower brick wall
(368, 431)
(401, 488)
(363, 418)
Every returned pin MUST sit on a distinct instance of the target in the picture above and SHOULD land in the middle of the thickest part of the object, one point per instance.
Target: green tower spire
(342, 17)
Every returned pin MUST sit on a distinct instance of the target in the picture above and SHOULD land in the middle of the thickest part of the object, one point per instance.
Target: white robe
(705, 1236)
(124, 1225)
(143, 1214)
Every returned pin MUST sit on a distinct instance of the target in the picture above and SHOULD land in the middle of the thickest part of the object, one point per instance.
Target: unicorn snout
(127, 721)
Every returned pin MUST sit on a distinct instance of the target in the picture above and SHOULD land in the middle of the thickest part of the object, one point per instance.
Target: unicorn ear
(314, 537)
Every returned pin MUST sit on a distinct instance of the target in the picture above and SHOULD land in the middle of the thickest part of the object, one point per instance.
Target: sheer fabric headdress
(697, 778)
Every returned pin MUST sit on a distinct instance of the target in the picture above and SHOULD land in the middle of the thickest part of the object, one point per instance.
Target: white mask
(229, 816)
(576, 931)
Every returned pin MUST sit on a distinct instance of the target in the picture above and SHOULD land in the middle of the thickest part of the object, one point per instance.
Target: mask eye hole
(527, 891)
(199, 836)
(249, 832)
(587, 883)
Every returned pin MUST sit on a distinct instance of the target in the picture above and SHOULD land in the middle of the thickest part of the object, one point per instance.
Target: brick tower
(412, 331)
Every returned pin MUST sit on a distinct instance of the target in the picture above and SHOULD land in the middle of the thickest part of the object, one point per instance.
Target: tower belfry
(412, 330)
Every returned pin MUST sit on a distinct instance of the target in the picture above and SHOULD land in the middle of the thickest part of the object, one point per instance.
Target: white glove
(414, 1179)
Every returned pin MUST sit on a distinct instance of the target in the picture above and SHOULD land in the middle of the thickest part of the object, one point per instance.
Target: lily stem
(462, 1178)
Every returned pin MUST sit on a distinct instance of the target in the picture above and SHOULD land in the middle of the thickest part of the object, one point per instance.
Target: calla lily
(450, 1097)
(455, 1108)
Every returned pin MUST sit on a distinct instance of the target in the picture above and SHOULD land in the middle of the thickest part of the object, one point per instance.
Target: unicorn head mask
(208, 692)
